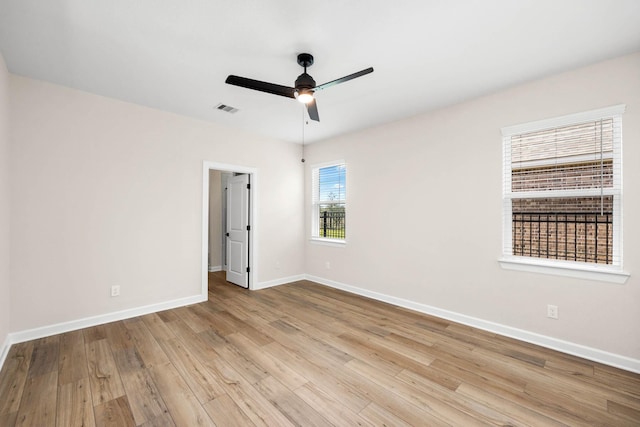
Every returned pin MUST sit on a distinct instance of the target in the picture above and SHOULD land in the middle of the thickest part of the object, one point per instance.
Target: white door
(238, 230)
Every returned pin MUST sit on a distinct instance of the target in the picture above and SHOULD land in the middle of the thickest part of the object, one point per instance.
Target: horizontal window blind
(562, 188)
(560, 145)
(329, 200)
(571, 157)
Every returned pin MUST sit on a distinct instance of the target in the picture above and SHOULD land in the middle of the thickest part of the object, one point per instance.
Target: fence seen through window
(332, 222)
(563, 229)
(329, 202)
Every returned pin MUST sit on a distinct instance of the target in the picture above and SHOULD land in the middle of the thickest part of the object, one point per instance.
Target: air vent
(227, 108)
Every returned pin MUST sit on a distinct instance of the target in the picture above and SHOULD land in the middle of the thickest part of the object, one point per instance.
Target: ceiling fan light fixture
(303, 89)
(304, 96)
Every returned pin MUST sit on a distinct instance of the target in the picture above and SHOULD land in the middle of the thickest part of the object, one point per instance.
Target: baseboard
(215, 268)
(4, 351)
(596, 355)
(589, 353)
(277, 282)
(59, 328)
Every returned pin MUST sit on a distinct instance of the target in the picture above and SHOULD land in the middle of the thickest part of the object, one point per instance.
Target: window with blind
(562, 188)
(329, 202)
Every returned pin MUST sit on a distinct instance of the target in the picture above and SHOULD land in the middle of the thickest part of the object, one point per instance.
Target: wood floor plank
(190, 318)
(224, 412)
(502, 403)
(158, 328)
(390, 401)
(44, 358)
(39, 400)
(616, 378)
(234, 357)
(291, 406)
(143, 396)
(626, 412)
(118, 335)
(582, 402)
(201, 380)
(468, 370)
(273, 366)
(127, 359)
(205, 354)
(564, 407)
(321, 376)
(8, 419)
(13, 377)
(378, 416)
(304, 354)
(329, 406)
(147, 346)
(249, 311)
(323, 348)
(94, 333)
(163, 420)
(426, 402)
(75, 407)
(114, 413)
(237, 325)
(434, 389)
(168, 315)
(104, 377)
(215, 320)
(256, 406)
(379, 350)
(182, 403)
(72, 358)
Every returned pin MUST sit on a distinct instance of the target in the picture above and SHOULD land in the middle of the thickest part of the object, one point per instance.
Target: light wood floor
(303, 354)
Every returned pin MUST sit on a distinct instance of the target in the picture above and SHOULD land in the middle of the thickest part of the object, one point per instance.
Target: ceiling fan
(304, 89)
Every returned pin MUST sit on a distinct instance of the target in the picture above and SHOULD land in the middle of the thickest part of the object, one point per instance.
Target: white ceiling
(174, 55)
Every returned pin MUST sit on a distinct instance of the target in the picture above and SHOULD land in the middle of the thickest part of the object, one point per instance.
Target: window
(562, 188)
(329, 202)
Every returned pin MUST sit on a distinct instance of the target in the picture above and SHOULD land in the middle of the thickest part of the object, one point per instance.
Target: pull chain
(302, 135)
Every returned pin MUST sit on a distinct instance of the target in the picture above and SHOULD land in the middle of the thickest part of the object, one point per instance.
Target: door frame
(253, 209)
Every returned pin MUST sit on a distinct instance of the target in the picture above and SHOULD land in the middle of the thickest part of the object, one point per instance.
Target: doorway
(235, 214)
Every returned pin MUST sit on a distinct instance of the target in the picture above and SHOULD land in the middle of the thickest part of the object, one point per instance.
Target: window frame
(605, 272)
(315, 205)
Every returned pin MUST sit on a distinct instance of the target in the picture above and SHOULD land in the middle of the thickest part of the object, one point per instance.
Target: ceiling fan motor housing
(305, 81)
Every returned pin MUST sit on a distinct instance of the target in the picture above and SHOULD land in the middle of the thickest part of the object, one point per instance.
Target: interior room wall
(424, 224)
(215, 220)
(110, 193)
(4, 204)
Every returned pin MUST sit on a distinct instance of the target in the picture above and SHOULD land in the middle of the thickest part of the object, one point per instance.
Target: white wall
(106, 192)
(215, 219)
(424, 212)
(4, 204)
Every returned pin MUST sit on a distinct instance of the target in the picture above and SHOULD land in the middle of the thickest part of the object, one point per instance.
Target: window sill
(328, 242)
(569, 269)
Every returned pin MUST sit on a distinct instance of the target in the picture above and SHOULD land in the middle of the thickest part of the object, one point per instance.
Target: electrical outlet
(115, 291)
(328, 265)
(552, 311)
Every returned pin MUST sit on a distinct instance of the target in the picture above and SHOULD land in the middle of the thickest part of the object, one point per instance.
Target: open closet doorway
(228, 223)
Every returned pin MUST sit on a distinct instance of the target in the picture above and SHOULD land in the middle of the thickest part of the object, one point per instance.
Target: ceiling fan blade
(344, 79)
(312, 109)
(261, 86)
